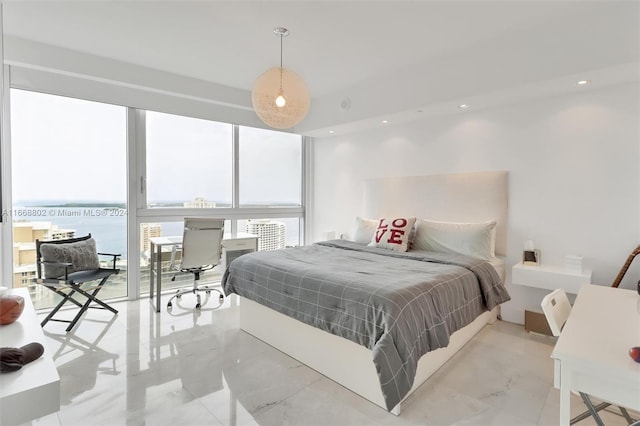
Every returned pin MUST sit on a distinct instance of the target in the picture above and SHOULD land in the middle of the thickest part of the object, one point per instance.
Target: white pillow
(471, 239)
(365, 228)
(393, 233)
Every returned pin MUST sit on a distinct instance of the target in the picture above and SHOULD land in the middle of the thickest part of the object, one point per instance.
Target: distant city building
(149, 230)
(28, 232)
(25, 235)
(61, 234)
(199, 203)
(271, 233)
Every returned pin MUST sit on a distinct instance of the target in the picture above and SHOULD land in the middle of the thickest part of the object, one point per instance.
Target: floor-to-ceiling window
(251, 177)
(270, 168)
(71, 169)
(189, 162)
(68, 159)
(270, 175)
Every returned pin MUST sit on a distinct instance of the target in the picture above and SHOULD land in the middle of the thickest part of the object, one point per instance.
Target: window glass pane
(69, 179)
(189, 161)
(273, 234)
(170, 229)
(270, 168)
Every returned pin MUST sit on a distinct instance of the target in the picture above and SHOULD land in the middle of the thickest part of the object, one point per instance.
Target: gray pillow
(82, 255)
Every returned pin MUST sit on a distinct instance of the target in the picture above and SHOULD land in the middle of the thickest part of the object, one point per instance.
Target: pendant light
(279, 96)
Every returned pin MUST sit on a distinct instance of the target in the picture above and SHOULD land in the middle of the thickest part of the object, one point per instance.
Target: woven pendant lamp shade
(279, 96)
(267, 88)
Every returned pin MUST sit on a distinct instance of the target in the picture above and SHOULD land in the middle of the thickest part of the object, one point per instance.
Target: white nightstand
(235, 245)
(549, 278)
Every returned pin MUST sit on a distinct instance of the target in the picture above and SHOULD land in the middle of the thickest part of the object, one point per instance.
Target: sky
(70, 149)
(64, 148)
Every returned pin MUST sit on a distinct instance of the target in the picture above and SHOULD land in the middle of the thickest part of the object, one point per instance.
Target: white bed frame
(469, 197)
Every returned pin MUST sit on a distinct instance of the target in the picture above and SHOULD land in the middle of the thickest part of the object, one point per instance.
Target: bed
(379, 321)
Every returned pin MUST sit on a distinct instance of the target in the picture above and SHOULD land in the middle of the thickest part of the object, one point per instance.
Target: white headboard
(462, 197)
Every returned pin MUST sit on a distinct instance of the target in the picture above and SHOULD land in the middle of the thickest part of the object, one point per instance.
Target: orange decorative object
(11, 307)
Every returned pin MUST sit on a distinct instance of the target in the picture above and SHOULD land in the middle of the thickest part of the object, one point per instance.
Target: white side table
(548, 278)
(34, 390)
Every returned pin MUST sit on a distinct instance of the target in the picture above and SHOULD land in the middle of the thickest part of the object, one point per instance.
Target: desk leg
(565, 395)
(159, 278)
(152, 251)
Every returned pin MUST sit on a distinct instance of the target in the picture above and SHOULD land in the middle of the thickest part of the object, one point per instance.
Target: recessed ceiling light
(384, 121)
(583, 82)
(331, 131)
(463, 106)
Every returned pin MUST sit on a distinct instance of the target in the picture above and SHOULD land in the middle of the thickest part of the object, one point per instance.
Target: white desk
(592, 351)
(241, 242)
(34, 390)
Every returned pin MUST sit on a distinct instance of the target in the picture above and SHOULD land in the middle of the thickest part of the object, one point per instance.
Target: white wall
(573, 162)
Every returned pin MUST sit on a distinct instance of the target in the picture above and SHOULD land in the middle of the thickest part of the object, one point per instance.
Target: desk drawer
(239, 244)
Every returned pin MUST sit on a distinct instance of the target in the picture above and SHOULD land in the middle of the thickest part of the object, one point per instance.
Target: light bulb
(280, 101)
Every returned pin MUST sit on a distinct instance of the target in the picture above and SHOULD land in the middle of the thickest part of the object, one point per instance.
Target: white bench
(34, 390)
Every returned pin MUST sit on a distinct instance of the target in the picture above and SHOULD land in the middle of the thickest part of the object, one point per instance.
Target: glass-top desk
(233, 245)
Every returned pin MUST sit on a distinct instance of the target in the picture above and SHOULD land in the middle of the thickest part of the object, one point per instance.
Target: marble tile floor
(143, 368)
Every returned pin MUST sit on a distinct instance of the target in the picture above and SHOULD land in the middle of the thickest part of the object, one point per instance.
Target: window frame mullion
(235, 197)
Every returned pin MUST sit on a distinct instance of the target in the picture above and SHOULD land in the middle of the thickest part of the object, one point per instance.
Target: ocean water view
(108, 225)
(106, 222)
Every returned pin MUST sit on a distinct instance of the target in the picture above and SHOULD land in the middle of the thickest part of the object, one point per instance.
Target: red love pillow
(393, 233)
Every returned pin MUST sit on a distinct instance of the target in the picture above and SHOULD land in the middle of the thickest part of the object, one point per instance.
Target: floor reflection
(184, 306)
(180, 352)
(192, 368)
(79, 360)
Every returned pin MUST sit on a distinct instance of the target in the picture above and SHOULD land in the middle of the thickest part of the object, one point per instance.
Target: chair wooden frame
(72, 283)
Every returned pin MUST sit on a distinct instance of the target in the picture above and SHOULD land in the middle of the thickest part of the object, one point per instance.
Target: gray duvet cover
(399, 305)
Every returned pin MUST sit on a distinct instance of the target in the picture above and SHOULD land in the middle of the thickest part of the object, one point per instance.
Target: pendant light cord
(280, 50)
(281, 63)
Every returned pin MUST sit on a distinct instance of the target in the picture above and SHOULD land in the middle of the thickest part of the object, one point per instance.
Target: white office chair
(556, 308)
(201, 251)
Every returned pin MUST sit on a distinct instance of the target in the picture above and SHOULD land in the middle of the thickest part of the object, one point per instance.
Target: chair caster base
(196, 291)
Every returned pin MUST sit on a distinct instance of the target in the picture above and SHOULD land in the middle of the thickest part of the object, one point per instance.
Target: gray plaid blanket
(399, 305)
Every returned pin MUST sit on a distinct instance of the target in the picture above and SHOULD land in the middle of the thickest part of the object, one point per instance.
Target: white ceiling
(339, 48)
